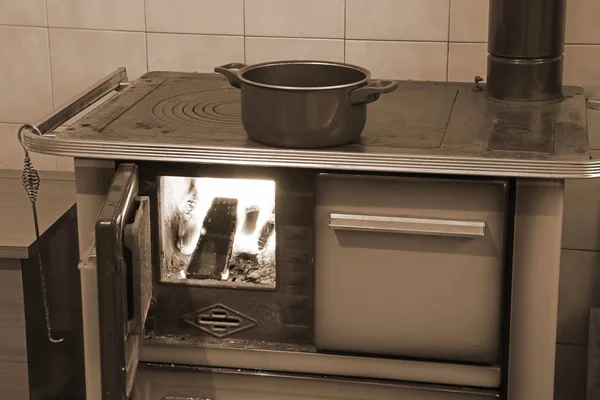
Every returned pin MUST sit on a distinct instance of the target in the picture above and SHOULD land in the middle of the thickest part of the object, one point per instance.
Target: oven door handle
(407, 225)
(136, 238)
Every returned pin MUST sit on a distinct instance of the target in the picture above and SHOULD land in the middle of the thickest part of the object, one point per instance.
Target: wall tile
(192, 53)
(269, 49)
(397, 19)
(466, 60)
(581, 222)
(582, 66)
(125, 15)
(293, 18)
(12, 154)
(570, 373)
(25, 88)
(582, 21)
(469, 20)
(579, 291)
(217, 17)
(400, 60)
(23, 12)
(80, 58)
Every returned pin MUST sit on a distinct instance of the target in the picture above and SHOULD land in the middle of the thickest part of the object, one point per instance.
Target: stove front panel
(416, 265)
(161, 382)
(233, 254)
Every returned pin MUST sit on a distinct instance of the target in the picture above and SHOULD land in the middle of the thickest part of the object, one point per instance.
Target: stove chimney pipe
(526, 45)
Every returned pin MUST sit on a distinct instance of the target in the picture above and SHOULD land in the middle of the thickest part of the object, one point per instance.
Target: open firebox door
(123, 251)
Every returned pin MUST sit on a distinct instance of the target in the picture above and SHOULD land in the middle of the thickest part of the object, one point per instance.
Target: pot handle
(230, 71)
(371, 91)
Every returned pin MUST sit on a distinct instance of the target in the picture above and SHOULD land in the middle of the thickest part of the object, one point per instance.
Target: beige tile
(217, 17)
(125, 15)
(400, 60)
(25, 88)
(23, 12)
(466, 60)
(271, 49)
(192, 53)
(293, 18)
(80, 58)
(581, 222)
(12, 154)
(570, 372)
(582, 22)
(397, 19)
(579, 291)
(469, 20)
(582, 68)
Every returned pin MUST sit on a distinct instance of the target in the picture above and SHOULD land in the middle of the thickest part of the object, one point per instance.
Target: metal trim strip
(403, 163)
(325, 364)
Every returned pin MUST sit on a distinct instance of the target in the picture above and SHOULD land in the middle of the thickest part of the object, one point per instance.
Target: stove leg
(534, 308)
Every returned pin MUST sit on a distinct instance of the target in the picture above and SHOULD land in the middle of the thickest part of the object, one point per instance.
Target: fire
(254, 213)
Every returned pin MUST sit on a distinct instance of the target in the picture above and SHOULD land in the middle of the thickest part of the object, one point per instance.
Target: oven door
(123, 251)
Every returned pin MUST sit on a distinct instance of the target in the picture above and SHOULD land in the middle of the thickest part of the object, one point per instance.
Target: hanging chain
(31, 182)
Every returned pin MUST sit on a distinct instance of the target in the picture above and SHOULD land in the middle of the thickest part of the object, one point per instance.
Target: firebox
(232, 252)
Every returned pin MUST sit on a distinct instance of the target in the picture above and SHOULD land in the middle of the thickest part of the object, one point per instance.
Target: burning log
(266, 232)
(212, 255)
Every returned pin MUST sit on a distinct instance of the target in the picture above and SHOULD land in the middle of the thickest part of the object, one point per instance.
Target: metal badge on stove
(219, 321)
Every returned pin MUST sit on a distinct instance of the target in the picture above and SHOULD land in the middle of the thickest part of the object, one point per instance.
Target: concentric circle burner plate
(201, 109)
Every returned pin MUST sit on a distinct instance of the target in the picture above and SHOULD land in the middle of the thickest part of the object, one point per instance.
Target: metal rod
(82, 101)
(43, 279)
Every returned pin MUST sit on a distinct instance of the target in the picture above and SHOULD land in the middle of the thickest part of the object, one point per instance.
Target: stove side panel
(92, 180)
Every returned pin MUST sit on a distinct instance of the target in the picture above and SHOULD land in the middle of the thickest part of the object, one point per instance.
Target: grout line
(266, 36)
(466, 42)
(448, 41)
(51, 69)
(146, 36)
(50, 55)
(585, 250)
(345, 26)
(66, 28)
(25, 25)
(244, 27)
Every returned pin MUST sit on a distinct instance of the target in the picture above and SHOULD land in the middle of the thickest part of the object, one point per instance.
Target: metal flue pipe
(526, 46)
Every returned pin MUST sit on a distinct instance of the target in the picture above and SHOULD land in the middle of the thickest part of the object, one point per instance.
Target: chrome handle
(113, 81)
(407, 225)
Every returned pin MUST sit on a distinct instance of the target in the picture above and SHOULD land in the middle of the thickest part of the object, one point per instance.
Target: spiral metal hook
(31, 182)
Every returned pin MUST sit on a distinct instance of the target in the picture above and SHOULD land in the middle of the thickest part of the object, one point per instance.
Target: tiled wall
(51, 49)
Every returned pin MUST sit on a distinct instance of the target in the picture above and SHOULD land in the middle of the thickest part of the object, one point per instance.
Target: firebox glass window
(217, 231)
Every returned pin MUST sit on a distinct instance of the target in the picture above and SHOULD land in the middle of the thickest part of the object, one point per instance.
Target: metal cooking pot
(304, 104)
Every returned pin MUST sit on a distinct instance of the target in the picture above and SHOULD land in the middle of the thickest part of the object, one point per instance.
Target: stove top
(422, 127)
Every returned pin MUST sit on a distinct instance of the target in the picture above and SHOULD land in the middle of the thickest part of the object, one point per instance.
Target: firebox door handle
(407, 225)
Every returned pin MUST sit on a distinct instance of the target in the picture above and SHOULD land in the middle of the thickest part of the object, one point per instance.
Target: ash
(183, 207)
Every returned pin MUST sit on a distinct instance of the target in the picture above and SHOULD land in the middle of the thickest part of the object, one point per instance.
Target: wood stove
(419, 262)
(394, 267)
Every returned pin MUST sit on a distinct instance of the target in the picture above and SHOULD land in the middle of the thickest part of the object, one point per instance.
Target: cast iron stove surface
(426, 127)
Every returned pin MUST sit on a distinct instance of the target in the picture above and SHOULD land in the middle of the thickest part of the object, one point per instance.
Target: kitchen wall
(51, 49)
